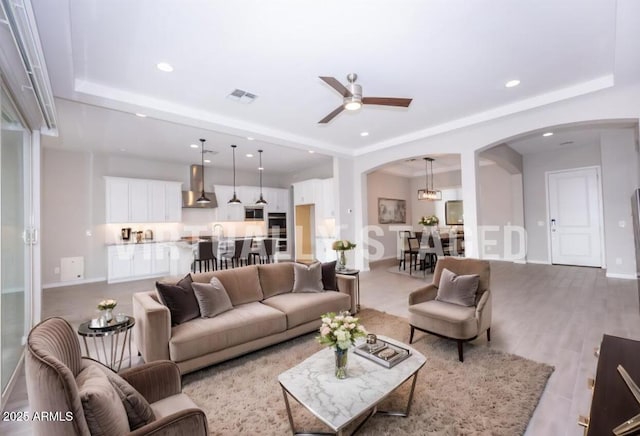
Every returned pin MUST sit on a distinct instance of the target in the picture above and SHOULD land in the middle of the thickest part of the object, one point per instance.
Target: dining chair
(240, 253)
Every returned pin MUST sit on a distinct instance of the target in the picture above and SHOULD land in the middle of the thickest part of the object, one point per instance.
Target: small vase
(342, 261)
(107, 315)
(341, 362)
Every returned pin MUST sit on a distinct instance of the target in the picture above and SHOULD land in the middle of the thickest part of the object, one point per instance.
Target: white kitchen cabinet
(161, 259)
(136, 261)
(140, 200)
(249, 194)
(328, 199)
(307, 192)
(277, 199)
(117, 195)
(141, 262)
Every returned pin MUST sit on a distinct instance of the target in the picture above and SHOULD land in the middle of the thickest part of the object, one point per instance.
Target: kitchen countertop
(188, 240)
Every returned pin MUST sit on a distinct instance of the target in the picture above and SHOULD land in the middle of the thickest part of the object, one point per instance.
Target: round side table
(114, 332)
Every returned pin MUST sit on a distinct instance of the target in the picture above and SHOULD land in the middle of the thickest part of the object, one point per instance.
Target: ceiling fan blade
(332, 115)
(386, 101)
(333, 82)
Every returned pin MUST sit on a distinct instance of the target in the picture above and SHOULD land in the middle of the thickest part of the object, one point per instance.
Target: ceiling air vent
(241, 96)
(566, 143)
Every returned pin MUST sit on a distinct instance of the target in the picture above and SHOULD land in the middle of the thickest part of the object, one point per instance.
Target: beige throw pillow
(456, 289)
(307, 278)
(212, 298)
(103, 410)
(138, 410)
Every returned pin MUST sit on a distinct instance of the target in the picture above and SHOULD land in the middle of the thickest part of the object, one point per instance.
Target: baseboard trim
(539, 262)
(621, 276)
(73, 282)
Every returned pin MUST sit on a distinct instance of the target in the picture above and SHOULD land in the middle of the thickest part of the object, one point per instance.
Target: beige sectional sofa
(265, 311)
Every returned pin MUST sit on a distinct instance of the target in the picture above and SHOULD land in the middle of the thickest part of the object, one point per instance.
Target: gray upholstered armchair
(454, 321)
(89, 398)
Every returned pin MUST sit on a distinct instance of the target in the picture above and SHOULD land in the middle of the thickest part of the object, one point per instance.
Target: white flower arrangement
(340, 331)
(430, 220)
(107, 304)
(343, 245)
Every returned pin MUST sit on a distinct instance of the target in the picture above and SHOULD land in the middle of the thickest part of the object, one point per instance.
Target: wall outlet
(622, 224)
(618, 261)
(56, 270)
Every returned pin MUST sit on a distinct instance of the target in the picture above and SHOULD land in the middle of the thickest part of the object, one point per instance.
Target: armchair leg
(489, 334)
(460, 351)
(411, 335)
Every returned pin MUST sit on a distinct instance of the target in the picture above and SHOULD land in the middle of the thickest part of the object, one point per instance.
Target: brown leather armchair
(54, 367)
(448, 320)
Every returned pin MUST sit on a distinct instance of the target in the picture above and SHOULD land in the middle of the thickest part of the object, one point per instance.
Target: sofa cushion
(180, 300)
(301, 308)
(212, 298)
(136, 406)
(329, 280)
(451, 320)
(276, 278)
(103, 410)
(241, 324)
(457, 289)
(242, 284)
(307, 278)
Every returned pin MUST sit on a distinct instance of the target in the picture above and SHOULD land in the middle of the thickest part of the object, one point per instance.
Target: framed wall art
(392, 211)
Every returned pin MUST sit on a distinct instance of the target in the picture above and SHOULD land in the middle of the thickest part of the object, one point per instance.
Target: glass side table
(356, 274)
(113, 332)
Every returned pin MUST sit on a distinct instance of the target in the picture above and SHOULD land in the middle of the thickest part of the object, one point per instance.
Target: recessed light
(194, 146)
(512, 83)
(311, 151)
(250, 138)
(207, 161)
(141, 115)
(260, 168)
(249, 155)
(547, 134)
(123, 149)
(364, 133)
(164, 66)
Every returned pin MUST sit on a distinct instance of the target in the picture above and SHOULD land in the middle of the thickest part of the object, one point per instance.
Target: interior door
(574, 217)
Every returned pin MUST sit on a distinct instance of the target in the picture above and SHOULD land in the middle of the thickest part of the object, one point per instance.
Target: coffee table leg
(290, 416)
(404, 413)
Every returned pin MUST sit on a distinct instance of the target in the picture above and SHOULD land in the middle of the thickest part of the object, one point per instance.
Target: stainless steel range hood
(189, 197)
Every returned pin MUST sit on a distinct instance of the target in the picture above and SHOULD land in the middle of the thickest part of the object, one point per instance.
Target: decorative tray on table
(98, 324)
(383, 353)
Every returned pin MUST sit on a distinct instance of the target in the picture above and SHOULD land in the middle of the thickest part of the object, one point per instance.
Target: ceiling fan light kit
(203, 198)
(234, 199)
(352, 99)
(429, 193)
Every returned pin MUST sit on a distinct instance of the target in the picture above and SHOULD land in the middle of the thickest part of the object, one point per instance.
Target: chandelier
(429, 193)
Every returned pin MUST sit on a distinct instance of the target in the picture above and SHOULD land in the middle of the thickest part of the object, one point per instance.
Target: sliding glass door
(15, 237)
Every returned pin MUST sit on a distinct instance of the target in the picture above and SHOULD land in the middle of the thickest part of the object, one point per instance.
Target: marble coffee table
(337, 403)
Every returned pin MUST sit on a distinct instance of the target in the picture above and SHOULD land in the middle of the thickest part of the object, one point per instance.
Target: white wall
(619, 180)
(384, 238)
(535, 200)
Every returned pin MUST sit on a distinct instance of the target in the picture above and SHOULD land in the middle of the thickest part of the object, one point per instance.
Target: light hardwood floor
(551, 314)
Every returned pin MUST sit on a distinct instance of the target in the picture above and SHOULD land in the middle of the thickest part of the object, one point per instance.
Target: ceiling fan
(353, 99)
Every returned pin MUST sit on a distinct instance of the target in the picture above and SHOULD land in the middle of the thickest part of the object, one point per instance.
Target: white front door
(574, 217)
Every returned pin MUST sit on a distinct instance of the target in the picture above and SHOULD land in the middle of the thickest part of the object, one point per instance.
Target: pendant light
(429, 193)
(203, 198)
(234, 199)
(261, 201)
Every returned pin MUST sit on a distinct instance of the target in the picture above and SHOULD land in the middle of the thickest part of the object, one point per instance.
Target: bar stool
(205, 254)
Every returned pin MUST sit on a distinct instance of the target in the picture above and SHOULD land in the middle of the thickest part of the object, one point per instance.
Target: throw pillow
(329, 282)
(180, 300)
(137, 407)
(456, 289)
(212, 298)
(103, 410)
(307, 278)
